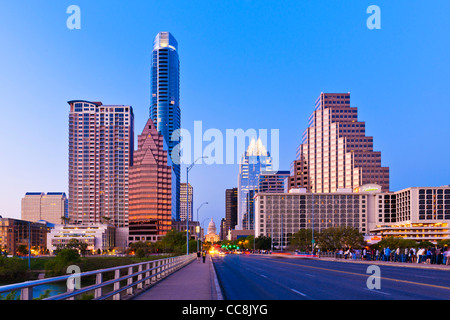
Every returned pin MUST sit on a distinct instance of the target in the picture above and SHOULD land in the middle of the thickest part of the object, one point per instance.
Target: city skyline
(402, 97)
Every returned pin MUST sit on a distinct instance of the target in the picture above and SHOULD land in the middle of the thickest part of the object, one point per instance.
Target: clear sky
(244, 64)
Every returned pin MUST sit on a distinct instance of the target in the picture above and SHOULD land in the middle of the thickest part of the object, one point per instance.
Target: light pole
(187, 202)
(198, 230)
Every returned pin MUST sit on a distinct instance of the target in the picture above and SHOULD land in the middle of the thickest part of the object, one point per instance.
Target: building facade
(280, 215)
(16, 234)
(418, 213)
(96, 236)
(186, 204)
(335, 152)
(51, 207)
(165, 102)
(272, 181)
(101, 143)
(231, 209)
(150, 195)
(255, 160)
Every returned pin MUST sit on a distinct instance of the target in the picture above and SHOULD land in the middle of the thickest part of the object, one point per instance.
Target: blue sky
(244, 64)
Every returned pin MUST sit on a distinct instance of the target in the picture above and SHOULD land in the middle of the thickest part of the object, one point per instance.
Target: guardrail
(127, 280)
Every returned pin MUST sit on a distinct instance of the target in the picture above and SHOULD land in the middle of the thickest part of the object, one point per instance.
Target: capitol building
(212, 236)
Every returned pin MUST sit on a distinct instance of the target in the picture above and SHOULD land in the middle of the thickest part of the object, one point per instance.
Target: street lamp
(187, 202)
(198, 230)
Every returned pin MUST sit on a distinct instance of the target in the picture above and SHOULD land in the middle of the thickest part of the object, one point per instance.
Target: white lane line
(264, 276)
(298, 292)
(377, 291)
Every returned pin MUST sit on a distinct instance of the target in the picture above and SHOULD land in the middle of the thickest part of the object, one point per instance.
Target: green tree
(340, 237)
(302, 240)
(59, 264)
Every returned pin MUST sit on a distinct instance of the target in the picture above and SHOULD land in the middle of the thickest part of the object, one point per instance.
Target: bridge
(252, 277)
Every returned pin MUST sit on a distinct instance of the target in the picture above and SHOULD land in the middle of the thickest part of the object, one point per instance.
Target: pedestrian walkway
(196, 281)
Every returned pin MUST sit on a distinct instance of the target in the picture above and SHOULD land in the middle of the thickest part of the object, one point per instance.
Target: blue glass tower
(165, 103)
(254, 161)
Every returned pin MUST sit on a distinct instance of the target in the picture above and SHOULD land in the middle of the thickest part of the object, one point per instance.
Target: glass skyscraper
(254, 161)
(165, 102)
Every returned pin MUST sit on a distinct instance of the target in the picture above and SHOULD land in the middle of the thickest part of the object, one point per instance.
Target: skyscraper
(165, 101)
(254, 161)
(272, 181)
(231, 209)
(150, 214)
(101, 142)
(335, 152)
(51, 207)
(183, 203)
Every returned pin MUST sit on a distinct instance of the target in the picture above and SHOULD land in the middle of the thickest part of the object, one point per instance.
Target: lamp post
(198, 230)
(187, 202)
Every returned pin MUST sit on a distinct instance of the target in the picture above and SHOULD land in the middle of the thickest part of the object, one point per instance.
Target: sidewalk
(196, 281)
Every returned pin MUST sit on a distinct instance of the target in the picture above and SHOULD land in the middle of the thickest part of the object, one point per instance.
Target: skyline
(398, 72)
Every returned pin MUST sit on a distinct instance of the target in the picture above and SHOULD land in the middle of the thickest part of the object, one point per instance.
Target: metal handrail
(162, 267)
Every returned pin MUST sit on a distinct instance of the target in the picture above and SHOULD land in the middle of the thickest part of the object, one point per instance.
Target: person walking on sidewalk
(198, 256)
(204, 256)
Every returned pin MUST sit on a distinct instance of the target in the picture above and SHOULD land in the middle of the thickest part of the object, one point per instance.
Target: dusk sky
(245, 64)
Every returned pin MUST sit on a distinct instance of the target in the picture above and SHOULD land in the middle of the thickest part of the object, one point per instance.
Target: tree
(302, 239)
(340, 237)
(263, 243)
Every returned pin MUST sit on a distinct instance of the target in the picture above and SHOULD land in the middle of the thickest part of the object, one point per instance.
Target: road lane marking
(365, 275)
(377, 291)
(298, 292)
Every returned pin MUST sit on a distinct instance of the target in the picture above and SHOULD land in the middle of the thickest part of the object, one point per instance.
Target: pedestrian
(198, 256)
(447, 256)
(387, 253)
(204, 256)
(428, 256)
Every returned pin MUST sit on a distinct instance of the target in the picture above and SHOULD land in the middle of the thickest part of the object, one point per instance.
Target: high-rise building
(51, 207)
(165, 102)
(231, 209)
(150, 214)
(335, 152)
(101, 143)
(254, 161)
(184, 203)
(416, 213)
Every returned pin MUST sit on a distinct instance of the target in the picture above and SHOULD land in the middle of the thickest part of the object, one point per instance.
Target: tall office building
(231, 209)
(150, 214)
(254, 161)
(335, 152)
(51, 207)
(184, 203)
(165, 101)
(272, 181)
(101, 142)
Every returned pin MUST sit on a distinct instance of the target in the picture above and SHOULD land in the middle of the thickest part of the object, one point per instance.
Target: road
(260, 277)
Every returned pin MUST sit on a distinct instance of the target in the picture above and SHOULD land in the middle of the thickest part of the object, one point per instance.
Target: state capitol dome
(212, 236)
(212, 227)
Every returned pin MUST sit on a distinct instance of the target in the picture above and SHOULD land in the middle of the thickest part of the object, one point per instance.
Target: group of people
(201, 254)
(431, 255)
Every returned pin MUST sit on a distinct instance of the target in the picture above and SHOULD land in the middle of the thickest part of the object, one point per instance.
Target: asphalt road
(259, 277)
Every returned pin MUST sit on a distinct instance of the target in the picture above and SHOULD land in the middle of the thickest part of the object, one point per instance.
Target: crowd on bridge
(430, 255)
